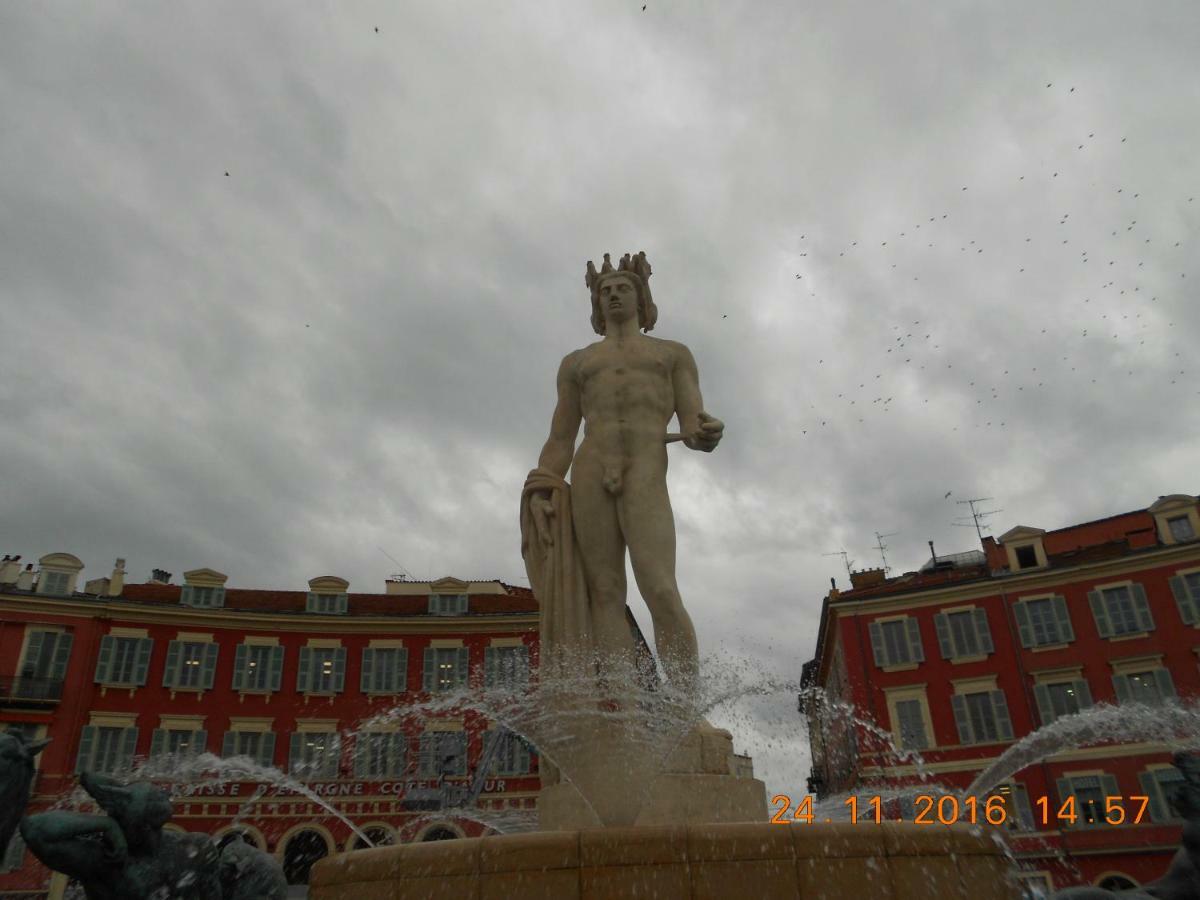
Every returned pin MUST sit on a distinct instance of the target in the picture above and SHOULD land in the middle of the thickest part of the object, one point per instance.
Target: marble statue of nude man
(625, 388)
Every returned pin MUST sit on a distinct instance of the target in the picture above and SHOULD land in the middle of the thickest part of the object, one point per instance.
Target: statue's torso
(627, 396)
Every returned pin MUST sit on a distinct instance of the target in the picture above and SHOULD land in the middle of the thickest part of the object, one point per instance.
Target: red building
(976, 650)
(114, 673)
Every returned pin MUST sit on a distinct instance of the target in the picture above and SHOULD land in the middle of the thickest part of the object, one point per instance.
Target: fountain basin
(681, 862)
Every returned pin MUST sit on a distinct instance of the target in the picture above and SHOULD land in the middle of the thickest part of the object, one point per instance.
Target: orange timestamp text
(947, 809)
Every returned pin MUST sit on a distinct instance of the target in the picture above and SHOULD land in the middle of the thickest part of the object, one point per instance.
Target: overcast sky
(281, 284)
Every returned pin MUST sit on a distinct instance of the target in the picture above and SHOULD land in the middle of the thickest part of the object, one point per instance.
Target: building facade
(935, 674)
(295, 683)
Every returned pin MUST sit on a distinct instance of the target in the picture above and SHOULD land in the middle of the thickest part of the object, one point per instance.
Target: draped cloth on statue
(556, 576)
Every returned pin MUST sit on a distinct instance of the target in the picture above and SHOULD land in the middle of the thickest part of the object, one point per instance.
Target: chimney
(933, 554)
(10, 569)
(25, 579)
(867, 578)
(160, 576)
(833, 591)
(116, 584)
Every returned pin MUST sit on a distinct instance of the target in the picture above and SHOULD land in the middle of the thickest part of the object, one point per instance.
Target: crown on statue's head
(638, 268)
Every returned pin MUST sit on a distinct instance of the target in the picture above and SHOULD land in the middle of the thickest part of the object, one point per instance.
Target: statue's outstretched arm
(81, 845)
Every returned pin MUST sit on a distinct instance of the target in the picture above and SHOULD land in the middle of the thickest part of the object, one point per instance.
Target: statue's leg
(649, 528)
(598, 534)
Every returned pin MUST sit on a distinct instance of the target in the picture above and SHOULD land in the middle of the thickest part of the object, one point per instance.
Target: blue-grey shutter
(62, 655)
(877, 644)
(200, 741)
(87, 740)
(339, 670)
(983, 633)
(1045, 707)
(331, 760)
(489, 666)
(1083, 693)
(266, 750)
(304, 673)
(1108, 788)
(368, 663)
(460, 667)
(522, 751)
(361, 743)
(1004, 729)
(241, 661)
(1024, 626)
(105, 660)
(294, 751)
(171, 669)
(400, 677)
(145, 646)
(489, 738)
(1024, 810)
(33, 653)
(1121, 686)
(228, 744)
(276, 667)
(1158, 811)
(128, 747)
(396, 745)
(1183, 599)
(158, 740)
(1100, 613)
(343, 603)
(522, 665)
(218, 596)
(1166, 687)
(1141, 608)
(430, 669)
(916, 651)
(1065, 792)
(209, 672)
(961, 719)
(1062, 617)
(427, 754)
(187, 595)
(941, 625)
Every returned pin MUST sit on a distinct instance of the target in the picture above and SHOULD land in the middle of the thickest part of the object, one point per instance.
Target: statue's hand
(543, 517)
(707, 435)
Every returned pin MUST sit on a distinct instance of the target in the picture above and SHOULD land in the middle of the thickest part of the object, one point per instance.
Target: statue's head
(614, 289)
(136, 807)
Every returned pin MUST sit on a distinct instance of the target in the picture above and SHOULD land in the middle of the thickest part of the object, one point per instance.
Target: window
(192, 595)
(1186, 589)
(322, 670)
(447, 604)
(178, 743)
(1151, 687)
(314, 754)
(896, 642)
(911, 725)
(1026, 557)
(190, 665)
(1181, 528)
(327, 604)
(445, 668)
(1043, 622)
(1159, 785)
(106, 749)
(123, 660)
(443, 753)
(506, 667)
(963, 633)
(257, 667)
(45, 665)
(380, 754)
(1089, 792)
(1061, 698)
(510, 756)
(1035, 886)
(53, 583)
(981, 717)
(258, 745)
(1121, 610)
(384, 670)
(1018, 814)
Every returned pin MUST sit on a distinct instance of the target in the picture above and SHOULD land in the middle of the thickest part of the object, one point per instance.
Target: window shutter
(400, 676)
(1121, 686)
(961, 719)
(430, 669)
(942, 626)
(128, 746)
(62, 655)
(368, 663)
(171, 669)
(33, 653)
(1083, 693)
(361, 749)
(218, 596)
(1158, 811)
(294, 752)
(209, 673)
(1108, 788)
(489, 738)
(1100, 613)
(522, 754)
(1004, 729)
(276, 667)
(916, 653)
(1045, 707)
(343, 603)
(199, 741)
(1024, 810)
(158, 740)
(241, 661)
(1062, 616)
(1166, 687)
(983, 634)
(460, 668)
(489, 667)
(522, 673)
(877, 644)
(1183, 599)
(303, 679)
(187, 595)
(425, 754)
(105, 660)
(228, 744)
(266, 750)
(1024, 627)
(339, 670)
(1064, 791)
(87, 740)
(395, 754)
(1142, 608)
(145, 645)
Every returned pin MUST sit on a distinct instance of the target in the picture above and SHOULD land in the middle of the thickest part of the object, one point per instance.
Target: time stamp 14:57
(946, 809)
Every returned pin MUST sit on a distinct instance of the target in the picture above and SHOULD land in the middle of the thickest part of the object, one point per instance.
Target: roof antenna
(977, 515)
(845, 558)
(402, 574)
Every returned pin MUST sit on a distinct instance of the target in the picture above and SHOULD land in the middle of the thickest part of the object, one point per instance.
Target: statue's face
(618, 298)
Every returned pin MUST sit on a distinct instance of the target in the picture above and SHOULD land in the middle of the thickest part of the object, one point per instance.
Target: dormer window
(1177, 517)
(53, 583)
(327, 604)
(208, 596)
(447, 604)
(1024, 547)
(1181, 528)
(1026, 557)
(58, 573)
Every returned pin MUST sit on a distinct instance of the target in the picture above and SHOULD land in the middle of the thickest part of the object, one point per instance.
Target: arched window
(303, 849)
(440, 833)
(378, 835)
(1116, 883)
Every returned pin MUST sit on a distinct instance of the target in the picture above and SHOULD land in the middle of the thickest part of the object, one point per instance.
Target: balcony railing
(30, 690)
